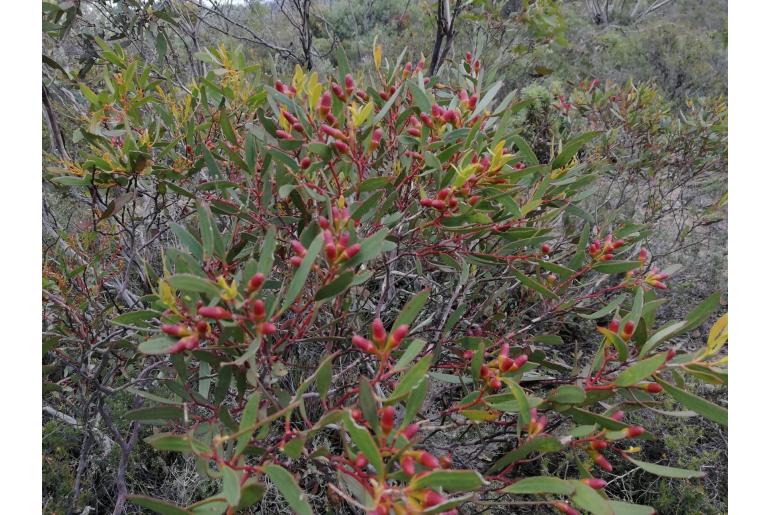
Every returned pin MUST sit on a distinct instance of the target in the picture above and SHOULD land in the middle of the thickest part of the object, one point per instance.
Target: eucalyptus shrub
(363, 263)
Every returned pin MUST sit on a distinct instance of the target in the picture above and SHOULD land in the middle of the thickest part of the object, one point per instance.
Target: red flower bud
(614, 325)
(341, 147)
(298, 248)
(444, 193)
(519, 361)
(352, 250)
(407, 465)
(305, 163)
(602, 462)
(426, 202)
(414, 132)
(378, 331)
(474, 200)
(331, 251)
(387, 416)
(618, 415)
(618, 243)
(628, 329)
(495, 383)
(338, 91)
(433, 499)
(323, 222)
(295, 261)
(643, 254)
(356, 414)
(268, 328)
(202, 326)
(595, 483)
(215, 312)
(426, 119)
(633, 431)
(282, 134)
(410, 431)
(331, 131)
(505, 363)
(438, 204)
(652, 388)
(280, 86)
(256, 281)
(437, 111)
(189, 342)
(484, 371)
(565, 508)
(259, 309)
(360, 461)
(364, 344)
(545, 248)
(175, 330)
(428, 460)
(349, 84)
(468, 57)
(399, 334)
(598, 444)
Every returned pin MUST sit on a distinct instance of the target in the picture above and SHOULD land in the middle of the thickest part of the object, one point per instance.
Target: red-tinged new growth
(397, 336)
(650, 387)
(433, 498)
(614, 325)
(215, 312)
(633, 431)
(410, 430)
(407, 465)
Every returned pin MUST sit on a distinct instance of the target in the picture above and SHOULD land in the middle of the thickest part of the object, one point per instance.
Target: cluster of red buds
(189, 338)
(490, 372)
(293, 123)
(563, 105)
(414, 126)
(468, 102)
(443, 116)
(604, 251)
(337, 249)
(445, 200)
(472, 66)
(299, 253)
(338, 138)
(285, 89)
(381, 343)
(628, 328)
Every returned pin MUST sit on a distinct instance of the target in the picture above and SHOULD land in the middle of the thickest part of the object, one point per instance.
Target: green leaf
(412, 308)
(606, 310)
(540, 485)
(701, 312)
(534, 285)
(169, 442)
(450, 480)
(158, 505)
(625, 508)
(248, 419)
(410, 378)
(288, 488)
(568, 394)
(539, 444)
(231, 485)
(616, 267)
(365, 443)
(207, 229)
(386, 107)
(487, 98)
(699, 405)
(335, 287)
(157, 345)
(414, 403)
(371, 247)
(571, 148)
(132, 318)
(193, 283)
(188, 240)
(409, 354)
(590, 500)
(160, 414)
(662, 335)
(617, 342)
(661, 470)
(640, 370)
(521, 399)
(300, 276)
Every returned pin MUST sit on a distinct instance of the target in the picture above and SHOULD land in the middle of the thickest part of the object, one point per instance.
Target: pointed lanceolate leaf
(540, 485)
(640, 370)
(288, 488)
(450, 480)
(158, 505)
(661, 470)
(699, 405)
